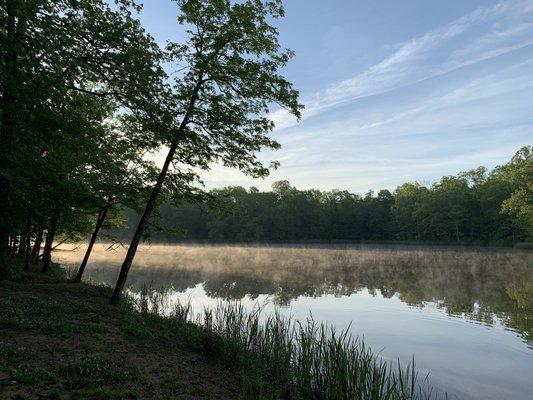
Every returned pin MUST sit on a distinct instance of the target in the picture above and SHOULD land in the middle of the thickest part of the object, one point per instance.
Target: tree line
(87, 97)
(474, 206)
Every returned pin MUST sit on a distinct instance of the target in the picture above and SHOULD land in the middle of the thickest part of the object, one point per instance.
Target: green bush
(10, 268)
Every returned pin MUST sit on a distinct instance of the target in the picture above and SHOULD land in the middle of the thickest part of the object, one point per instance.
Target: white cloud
(483, 34)
(455, 118)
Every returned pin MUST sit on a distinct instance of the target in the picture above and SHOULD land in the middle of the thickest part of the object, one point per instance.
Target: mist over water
(465, 314)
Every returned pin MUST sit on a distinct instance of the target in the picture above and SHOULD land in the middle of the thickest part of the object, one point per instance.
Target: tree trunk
(14, 32)
(4, 245)
(99, 222)
(21, 240)
(8, 109)
(47, 254)
(27, 243)
(5, 240)
(15, 244)
(20, 250)
(150, 205)
(37, 245)
(24, 236)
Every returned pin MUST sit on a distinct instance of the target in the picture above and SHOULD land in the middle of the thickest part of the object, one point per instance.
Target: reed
(277, 357)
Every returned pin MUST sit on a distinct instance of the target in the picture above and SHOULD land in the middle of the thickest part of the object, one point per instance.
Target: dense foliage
(79, 82)
(474, 206)
(87, 98)
(220, 100)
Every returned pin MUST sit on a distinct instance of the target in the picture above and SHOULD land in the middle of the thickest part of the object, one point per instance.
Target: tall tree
(519, 172)
(232, 59)
(50, 50)
(119, 176)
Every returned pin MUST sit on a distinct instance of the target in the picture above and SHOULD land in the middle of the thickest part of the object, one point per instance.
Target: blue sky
(395, 91)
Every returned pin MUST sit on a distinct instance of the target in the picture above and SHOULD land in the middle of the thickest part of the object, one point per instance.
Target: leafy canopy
(229, 79)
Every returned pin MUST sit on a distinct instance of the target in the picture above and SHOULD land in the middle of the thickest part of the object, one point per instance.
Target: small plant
(7, 351)
(10, 267)
(135, 328)
(94, 371)
(278, 357)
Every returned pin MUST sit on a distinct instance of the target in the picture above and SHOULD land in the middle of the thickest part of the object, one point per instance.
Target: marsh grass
(278, 357)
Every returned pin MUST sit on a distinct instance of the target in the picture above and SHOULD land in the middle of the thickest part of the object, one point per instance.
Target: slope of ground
(63, 341)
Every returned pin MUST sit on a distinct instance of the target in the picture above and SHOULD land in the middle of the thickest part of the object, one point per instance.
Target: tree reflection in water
(483, 285)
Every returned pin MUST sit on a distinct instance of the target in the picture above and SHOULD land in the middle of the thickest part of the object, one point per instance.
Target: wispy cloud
(485, 33)
(434, 115)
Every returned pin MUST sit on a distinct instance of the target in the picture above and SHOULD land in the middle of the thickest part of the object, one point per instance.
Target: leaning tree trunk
(47, 254)
(27, 243)
(99, 222)
(37, 245)
(150, 205)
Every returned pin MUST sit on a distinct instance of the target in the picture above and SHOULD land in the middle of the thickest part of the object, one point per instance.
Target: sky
(394, 91)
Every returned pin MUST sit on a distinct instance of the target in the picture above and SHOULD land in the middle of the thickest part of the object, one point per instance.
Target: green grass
(99, 370)
(60, 340)
(285, 359)
(63, 340)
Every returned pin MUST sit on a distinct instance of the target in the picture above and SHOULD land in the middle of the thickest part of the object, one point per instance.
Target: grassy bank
(60, 340)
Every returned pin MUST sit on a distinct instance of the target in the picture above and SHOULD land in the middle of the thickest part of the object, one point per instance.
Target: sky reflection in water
(465, 314)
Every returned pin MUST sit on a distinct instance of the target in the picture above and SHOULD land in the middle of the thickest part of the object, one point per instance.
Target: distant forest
(474, 206)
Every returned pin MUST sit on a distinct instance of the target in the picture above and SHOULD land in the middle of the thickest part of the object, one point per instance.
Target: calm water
(466, 315)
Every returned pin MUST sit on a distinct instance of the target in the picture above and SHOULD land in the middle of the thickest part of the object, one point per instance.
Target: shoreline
(62, 340)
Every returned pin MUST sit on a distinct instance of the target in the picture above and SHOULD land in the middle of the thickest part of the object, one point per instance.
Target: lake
(465, 314)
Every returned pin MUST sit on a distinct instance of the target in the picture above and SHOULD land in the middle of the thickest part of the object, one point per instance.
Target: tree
(50, 51)
(466, 208)
(71, 150)
(407, 201)
(232, 58)
(519, 172)
(378, 215)
(119, 176)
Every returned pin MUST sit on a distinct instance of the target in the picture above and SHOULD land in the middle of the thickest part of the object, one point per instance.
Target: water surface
(465, 314)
